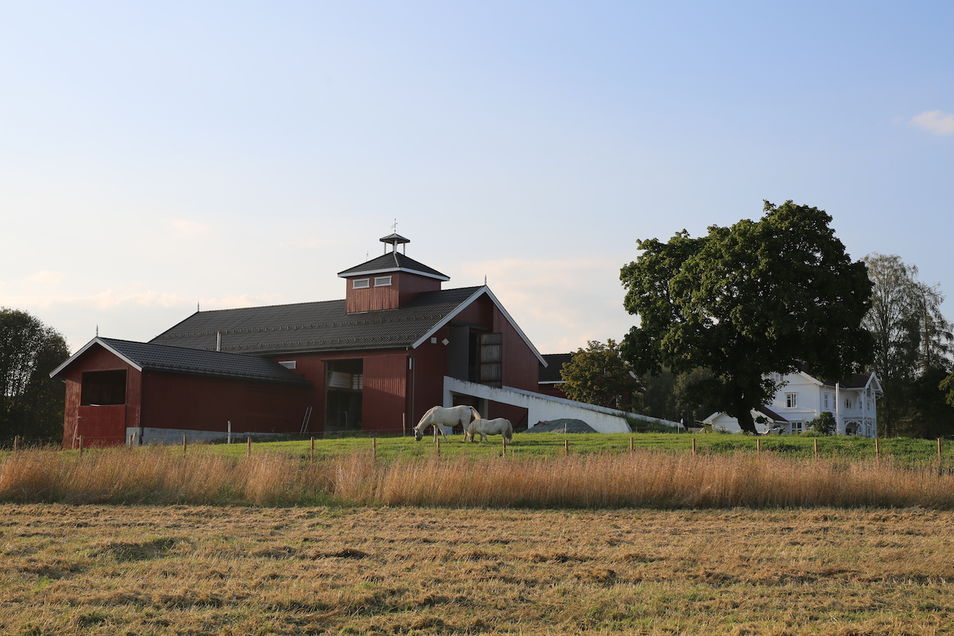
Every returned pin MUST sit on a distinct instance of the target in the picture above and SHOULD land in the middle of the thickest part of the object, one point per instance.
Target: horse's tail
(509, 432)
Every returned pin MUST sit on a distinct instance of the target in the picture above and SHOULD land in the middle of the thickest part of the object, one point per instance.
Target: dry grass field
(234, 570)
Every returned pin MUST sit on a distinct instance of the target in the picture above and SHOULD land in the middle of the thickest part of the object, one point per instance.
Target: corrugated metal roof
(314, 326)
(391, 262)
(157, 357)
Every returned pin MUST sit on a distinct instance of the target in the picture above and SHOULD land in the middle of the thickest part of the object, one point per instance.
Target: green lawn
(904, 450)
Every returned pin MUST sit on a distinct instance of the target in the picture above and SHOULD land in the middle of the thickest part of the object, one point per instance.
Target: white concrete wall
(545, 408)
(151, 435)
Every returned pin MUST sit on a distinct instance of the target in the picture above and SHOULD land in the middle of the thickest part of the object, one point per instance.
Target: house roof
(326, 326)
(550, 374)
(393, 262)
(770, 414)
(156, 357)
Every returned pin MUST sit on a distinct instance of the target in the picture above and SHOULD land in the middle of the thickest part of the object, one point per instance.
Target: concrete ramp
(545, 408)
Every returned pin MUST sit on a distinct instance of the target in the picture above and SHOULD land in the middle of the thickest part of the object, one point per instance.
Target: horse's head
(417, 435)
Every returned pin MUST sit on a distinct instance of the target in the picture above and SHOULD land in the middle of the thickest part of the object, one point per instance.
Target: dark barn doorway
(344, 384)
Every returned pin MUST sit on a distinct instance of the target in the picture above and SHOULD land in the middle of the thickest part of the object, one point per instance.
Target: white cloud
(187, 228)
(935, 121)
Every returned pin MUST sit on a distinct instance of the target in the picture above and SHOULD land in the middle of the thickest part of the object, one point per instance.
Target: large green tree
(31, 403)
(912, 344)
(599, 375)
(746, 301)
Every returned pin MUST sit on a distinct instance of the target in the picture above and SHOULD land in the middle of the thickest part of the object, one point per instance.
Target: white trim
(392, 269)
(552, 382)
(83, 350)
(366, 283)
(477, 294)
(381, 278)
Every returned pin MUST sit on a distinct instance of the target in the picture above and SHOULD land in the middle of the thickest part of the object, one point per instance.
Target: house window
(826, 400)
(491, 355)
(797, 427)
(360, 283)
(791, 400)
(103, 387)
(382, 281)
(847, 403)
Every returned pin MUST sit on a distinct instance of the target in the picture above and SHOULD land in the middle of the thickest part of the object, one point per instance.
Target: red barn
(373, 361)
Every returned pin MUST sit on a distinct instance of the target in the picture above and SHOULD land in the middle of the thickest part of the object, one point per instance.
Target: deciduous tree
(599, 375)
(745, 301)
(31, 403)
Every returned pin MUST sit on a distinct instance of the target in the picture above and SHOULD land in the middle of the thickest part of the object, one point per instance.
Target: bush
(823, 424)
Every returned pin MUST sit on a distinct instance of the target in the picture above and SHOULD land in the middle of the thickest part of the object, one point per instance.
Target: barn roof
(316, 326)
(393, 262)
(156, 357)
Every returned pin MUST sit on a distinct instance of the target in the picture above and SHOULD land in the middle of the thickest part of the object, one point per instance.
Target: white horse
(440, 416)
(498, 426)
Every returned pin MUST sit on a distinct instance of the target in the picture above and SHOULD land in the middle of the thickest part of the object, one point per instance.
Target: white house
(802, 397)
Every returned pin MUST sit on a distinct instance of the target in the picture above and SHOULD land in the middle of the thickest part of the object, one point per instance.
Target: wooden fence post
(81, 444)
(940, 452)
(311, 450)
(248, 446)
(437, 445)
(758, 444)
(185, 443)
(693, 445)
(374, 448)
(877, 449)
(632, 445)
(16, 442)
(566, 447)
(815, 446)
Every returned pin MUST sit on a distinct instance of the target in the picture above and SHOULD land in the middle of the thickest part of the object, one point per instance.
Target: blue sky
(156, 155)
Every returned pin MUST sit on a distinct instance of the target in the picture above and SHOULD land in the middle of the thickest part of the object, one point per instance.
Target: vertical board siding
(383, 394)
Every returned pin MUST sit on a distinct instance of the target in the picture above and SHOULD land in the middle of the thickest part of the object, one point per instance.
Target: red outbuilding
(374, 361)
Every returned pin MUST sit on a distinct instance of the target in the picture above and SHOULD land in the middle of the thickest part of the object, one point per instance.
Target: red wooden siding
(179, 401)
(99, 425)
(403, 287)
(383, 395)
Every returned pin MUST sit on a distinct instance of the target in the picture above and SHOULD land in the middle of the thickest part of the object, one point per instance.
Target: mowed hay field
(238, 570)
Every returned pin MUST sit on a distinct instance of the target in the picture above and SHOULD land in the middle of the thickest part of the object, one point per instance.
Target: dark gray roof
(772, 415)
(555, 362)
(315, 326)
(392, 262)
(157, 357)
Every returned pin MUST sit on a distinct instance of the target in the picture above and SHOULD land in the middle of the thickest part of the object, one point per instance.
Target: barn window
(382, 281)
(103, 387)
(360, 283)
(491, 355)
(289, 364)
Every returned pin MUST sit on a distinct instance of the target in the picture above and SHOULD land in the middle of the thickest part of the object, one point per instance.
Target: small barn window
(382, 281)
(360, 283)
(103, 387)
(289, 364)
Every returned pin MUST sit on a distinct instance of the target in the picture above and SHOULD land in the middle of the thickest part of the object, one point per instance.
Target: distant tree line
(31, 403)
(719, 314)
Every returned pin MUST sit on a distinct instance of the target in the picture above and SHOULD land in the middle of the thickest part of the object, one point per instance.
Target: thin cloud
(935, 122)
(187, 228)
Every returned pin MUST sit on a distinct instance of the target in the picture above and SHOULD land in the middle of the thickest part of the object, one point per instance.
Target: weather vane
(394, 226)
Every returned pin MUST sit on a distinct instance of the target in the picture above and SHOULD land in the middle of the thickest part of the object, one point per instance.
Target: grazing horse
(498, 426)
(441, 416)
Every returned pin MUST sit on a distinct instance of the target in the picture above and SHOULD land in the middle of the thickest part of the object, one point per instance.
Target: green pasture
(904, 450)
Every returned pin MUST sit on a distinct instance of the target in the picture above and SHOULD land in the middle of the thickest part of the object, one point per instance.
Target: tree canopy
(599, 375)
(912, 347)
(31, 403)
(745, 301)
